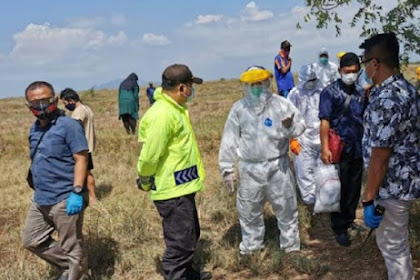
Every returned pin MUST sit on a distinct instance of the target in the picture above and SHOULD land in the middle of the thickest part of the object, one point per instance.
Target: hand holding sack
(328, 188)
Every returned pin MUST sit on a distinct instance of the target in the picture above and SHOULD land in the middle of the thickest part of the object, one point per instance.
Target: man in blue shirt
(149, 91)
(340, 108)
(391, 152)
(282, 70)
(58, 150)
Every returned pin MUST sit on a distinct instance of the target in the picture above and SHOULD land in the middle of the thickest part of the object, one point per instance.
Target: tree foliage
(403, 19)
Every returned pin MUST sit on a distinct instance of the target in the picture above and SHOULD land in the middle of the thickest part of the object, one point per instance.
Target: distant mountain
(115, 84)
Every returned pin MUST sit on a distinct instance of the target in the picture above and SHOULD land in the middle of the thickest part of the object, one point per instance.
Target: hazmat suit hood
(308, 80)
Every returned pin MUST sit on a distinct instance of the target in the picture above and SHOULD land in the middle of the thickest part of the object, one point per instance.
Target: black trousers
(129, 122)
(351, 184)
(181, 230)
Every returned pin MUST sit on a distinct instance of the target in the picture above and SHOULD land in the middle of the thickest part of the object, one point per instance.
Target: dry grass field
(123, 231)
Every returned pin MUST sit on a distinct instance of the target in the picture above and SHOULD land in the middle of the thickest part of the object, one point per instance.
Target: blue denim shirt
(392, 120)
(350, 125)
(284, 81)
(53, 164)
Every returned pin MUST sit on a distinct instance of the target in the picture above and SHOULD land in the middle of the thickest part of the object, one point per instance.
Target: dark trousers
(351, 183)
(129, 122)
(181, 231)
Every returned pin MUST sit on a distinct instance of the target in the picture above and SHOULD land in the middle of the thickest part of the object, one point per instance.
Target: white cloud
(253, 13)
(118, 39)
(206, 19)
(155, 39)
(241, 43)
(42, 44)
(118, 19)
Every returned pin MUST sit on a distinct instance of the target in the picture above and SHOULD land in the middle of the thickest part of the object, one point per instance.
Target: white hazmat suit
(326, 72)
(255, 135)
(305, 97)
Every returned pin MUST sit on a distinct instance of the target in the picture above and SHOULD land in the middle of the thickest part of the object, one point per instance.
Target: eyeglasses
(41, 102)
(369, 59)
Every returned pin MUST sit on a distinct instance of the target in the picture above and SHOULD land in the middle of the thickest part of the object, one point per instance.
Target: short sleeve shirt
(85, 115)
(284, 81)
(53, 164)
(347, 123)
(392, 120)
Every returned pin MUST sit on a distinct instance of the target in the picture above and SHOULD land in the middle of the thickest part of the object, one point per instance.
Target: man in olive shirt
(84, 114)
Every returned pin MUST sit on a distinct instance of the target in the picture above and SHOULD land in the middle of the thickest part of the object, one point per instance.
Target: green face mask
(323, 60)
(256, 91)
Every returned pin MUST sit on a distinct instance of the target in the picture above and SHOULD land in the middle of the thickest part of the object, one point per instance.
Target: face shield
(307, 78)
(256, 82)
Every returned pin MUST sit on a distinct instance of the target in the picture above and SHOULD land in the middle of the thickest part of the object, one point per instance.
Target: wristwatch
(78, 189)
(367, 203)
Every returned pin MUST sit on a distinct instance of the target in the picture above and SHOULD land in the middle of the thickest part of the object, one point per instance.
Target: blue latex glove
(74, 204)
(372, 220)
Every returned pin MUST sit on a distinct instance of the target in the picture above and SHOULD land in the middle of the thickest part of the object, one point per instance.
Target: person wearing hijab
(128, 103)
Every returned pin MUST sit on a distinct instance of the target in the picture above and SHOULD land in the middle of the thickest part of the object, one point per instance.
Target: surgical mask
(71, 107)
(256, 91)
(191, 96)
(349, 78)
(365, 76)
(323, 60)
(309, 85)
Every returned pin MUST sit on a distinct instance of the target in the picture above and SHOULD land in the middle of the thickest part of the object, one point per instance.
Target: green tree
(403, 19)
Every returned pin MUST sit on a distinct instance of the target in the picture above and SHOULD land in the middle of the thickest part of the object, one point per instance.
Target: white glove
(229, 181)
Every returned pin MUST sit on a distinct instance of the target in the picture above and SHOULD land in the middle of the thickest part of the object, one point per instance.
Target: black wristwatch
(78, 189)
(367, 203)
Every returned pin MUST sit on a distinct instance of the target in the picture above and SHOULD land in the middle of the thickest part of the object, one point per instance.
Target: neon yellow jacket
(170, 152)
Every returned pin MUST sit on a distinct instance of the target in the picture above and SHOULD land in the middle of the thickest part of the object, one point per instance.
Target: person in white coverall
(305, 97)
(325, 70)
(257, 133)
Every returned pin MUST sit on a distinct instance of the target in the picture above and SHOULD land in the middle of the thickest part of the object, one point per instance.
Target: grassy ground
(123, 231)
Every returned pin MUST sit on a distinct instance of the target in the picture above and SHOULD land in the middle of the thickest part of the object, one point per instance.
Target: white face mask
(349, 79)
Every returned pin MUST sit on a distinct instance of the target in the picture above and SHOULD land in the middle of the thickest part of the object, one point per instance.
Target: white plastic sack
(328, 188)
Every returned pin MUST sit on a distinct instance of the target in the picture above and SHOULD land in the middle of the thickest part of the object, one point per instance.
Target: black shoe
(343, 239)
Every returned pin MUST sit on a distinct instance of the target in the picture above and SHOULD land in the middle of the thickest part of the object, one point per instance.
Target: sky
(80, 44)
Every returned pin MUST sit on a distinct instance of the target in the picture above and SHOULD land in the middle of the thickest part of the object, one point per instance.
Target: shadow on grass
(233, 237)
(203, 253)
(103, 253)
(103, 190)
